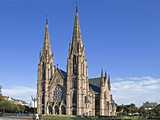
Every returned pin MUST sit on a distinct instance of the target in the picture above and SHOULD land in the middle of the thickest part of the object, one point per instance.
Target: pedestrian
(37, 116)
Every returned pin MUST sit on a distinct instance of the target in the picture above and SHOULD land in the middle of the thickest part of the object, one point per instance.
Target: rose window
(58, 94)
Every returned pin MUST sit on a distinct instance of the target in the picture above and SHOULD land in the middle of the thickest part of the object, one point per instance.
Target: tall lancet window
(43, 81)
(83, 68)
(50, 72)
(43, 71)
(75, 65)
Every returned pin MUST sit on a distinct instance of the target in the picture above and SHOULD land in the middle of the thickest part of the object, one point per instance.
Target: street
(16, 118)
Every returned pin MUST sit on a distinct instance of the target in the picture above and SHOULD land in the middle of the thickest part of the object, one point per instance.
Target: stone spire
(109, 83)
(102, 73)
(46, 45)
(102, 80)
(76, 38)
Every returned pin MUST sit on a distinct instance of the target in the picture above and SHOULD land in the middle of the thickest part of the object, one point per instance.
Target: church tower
(106, 100)
(45, 73)
(77, 81)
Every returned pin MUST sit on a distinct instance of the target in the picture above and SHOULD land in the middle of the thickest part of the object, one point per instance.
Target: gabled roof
(96, 89)
(62, 73)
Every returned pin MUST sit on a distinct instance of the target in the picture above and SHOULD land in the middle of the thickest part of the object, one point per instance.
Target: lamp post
(0, 90)
(34, 101)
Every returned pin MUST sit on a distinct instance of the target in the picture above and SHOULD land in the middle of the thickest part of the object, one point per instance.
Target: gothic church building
(71, 92)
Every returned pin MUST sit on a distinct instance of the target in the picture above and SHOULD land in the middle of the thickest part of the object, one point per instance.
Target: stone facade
(71, 92)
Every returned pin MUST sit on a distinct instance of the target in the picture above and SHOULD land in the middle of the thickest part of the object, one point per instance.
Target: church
(70, 91)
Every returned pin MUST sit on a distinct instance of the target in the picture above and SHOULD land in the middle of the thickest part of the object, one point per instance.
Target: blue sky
(122, 36)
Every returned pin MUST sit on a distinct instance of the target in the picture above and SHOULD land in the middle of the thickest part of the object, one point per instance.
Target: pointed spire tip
(76, 7)
(46, 20)
(106, 74)
(101, 72)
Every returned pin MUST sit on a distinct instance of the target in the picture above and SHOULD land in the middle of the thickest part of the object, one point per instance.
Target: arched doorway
(63, 109)
(56, 109)
(50, 110)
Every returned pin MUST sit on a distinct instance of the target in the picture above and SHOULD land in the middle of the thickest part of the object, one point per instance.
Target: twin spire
(75, 38)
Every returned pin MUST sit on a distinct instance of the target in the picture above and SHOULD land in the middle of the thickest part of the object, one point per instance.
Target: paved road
(16, 118)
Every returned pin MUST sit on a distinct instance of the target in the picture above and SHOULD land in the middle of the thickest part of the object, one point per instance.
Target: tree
(10, 107)
(127, 109)
(156, 111)
(149, 109)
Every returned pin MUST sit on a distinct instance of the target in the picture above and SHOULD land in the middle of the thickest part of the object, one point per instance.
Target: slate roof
(63, 73)
(95, 81)
(96, 89)
(94, 84)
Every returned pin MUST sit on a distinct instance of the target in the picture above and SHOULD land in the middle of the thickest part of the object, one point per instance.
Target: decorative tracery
(58, 94)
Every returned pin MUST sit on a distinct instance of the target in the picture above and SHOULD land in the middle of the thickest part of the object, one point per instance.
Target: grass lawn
(50, 117)
(57, 117)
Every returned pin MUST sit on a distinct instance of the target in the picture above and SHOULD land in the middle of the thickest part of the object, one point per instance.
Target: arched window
(74, 98)
(75, 65)
(43, 71)
(49, 73)
(50, 110)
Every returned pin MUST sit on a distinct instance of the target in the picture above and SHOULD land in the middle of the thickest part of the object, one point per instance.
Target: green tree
(10, 107)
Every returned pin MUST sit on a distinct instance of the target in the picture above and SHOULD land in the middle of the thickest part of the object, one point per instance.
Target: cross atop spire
(76, 6)
(46, 21)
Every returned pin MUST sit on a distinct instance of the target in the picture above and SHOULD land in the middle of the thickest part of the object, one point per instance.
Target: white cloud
(136, 90)
(22, 92)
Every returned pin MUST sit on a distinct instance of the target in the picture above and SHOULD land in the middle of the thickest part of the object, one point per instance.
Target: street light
(34, 101)
(0, 90)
